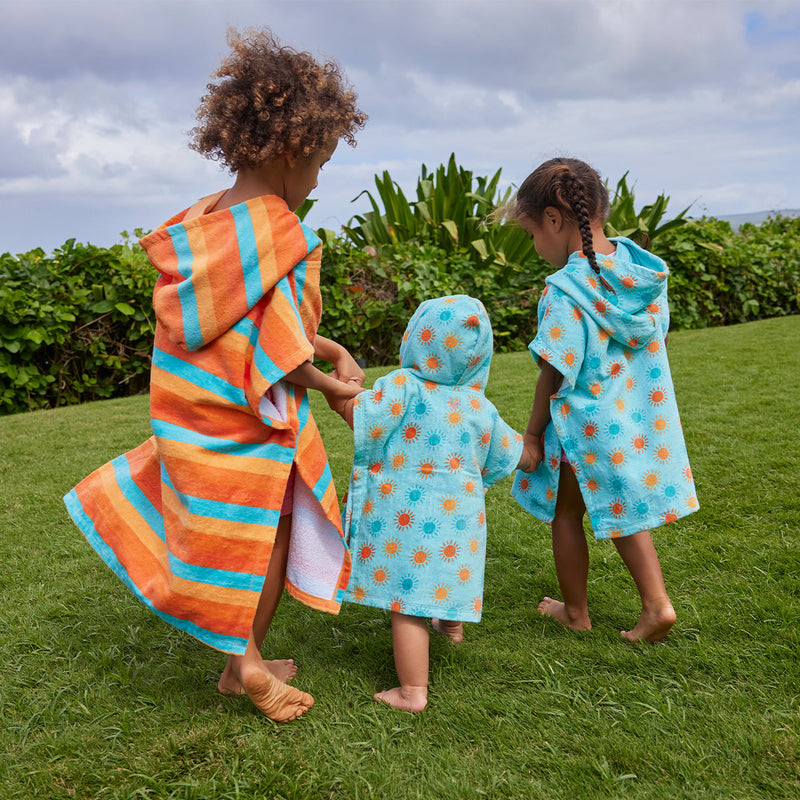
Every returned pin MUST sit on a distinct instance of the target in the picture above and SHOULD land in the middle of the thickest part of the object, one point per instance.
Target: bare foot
(284, 669)
(406, 698)
(558, 611)
(652, 626)
(452, 629)
(272, 698)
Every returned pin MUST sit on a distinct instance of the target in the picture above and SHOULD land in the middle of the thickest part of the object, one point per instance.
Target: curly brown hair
(270, 101)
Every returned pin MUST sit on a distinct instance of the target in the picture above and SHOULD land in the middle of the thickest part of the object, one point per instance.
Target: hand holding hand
(532, 453)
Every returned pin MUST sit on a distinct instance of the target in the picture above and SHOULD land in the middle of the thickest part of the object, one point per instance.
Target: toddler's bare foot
(452, 629)
(559, 612)
(406, 698)
(272, 698)
(284, 669)
(652, 625)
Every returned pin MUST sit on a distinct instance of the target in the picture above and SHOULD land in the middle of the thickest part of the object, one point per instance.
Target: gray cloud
(696, 99)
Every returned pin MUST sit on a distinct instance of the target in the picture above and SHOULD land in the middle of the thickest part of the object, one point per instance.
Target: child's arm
(345, 368)
(533, 447)
(339, 395)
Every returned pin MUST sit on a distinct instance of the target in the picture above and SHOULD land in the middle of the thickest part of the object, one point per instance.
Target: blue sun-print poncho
(427, 444)
(615, 414)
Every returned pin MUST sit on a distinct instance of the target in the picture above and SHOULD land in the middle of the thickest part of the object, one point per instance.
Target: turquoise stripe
(228, 644)
(182, 569)
(268, 450)
(248, 253)
(247, 328)
(193, 374)
(137, 498)
(326, 478)
(186, 295)
(217, 509)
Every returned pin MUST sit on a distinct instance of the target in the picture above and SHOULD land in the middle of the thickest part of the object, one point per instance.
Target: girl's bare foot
(272, 698)
(406, 698)
(652, 625)
(284, 669)
(559, 612)
(452, 629)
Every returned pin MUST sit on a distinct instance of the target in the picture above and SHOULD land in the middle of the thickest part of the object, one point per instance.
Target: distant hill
(757, 217)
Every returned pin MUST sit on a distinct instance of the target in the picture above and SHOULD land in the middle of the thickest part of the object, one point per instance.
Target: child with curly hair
(231, 499)
(604, 421)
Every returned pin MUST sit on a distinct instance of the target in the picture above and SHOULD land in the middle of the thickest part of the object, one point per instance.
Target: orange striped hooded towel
(188, 519)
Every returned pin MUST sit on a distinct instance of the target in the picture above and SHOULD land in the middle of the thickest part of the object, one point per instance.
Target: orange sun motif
(452, 341)
(651, 479)
(387, 488)
(657, 396)
(617, 458)
(380, 575)
(449, 504)
(411, 433)
(433, 363)
(464, 575)
(391, 547)
(639, 443)
(617, 508)
(403, 519)
(426, 335)
(426, 469)
(450, 550)
(420, 557)
(441, 593)
(399, 460)
(366, 552)
(455, 463)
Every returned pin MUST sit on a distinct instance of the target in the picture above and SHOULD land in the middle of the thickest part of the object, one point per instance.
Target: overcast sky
(699, 99)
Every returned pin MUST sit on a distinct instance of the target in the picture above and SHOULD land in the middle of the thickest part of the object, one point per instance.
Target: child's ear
(553, 218)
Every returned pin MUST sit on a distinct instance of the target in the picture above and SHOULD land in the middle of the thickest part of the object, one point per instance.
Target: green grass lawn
(101, 699)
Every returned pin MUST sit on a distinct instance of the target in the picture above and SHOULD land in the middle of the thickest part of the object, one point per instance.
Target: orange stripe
(261, 490)
(107, 507)
(211, 549)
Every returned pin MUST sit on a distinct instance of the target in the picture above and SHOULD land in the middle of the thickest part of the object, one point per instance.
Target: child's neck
(251, 183)
(602, 245)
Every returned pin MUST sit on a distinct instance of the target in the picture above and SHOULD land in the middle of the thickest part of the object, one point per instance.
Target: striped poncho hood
(200, 296)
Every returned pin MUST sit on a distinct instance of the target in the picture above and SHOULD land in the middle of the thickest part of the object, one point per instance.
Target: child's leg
(452, 629)
(249, 672)
(571, 555)
(282, 669)
(658, 615)
(410, 641)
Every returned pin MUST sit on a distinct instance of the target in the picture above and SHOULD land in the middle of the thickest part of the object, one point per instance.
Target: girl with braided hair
(604, 424)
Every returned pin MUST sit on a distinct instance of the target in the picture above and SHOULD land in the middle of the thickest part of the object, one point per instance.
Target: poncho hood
(216, 265)
(449, 341)
(639, 279)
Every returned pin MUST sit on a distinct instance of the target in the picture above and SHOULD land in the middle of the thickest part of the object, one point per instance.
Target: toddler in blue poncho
(604, 422)
(427, 445)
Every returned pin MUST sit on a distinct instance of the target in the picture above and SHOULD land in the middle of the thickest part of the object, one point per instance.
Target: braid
(575, 197)
(575, 188)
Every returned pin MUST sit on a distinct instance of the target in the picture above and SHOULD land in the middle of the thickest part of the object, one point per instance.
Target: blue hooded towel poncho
(615, 414)
(427, 444)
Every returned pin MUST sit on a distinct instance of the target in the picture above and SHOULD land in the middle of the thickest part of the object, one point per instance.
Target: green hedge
(77, 325)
